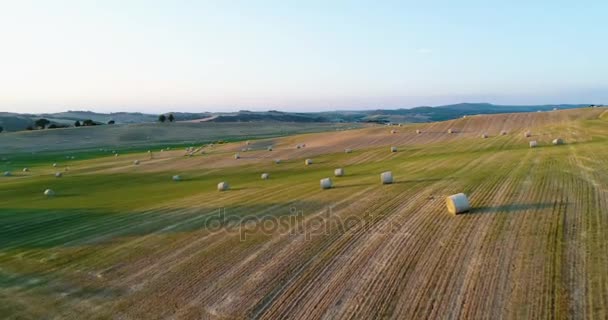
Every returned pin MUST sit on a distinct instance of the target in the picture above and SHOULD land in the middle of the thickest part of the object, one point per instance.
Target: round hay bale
(49, 192)
(265, 176)
(308, 162)
(348, 150)
(326, 183)
(503, 133)
(303, 145)
(247, 142)
(558, 141)
(418, 132)
(298, 146)
(339, 172)
(58, 174)
(277, 161)
(269, 148)
(7, 173)
(393, 131)
(116, 155)
(386, 177)
(457, 203)
(533, 144)
(527, 134)
(451, 131)
(484, 136)
(136, 162)
(54, 165)
(393, 149)
(26, 170)
(223, 186)
(176, 178)
(237, 156)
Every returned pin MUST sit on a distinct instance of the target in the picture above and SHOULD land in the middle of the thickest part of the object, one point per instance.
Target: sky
(177, 55)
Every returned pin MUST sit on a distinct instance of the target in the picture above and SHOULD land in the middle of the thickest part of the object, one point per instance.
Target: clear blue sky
(120, 55)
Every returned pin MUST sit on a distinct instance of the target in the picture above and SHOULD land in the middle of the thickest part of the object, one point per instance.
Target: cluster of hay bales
(265, 176)
(308, 162)
(176, 178)
(457, 203)
(386, 177)
(49, 192)
(223, 186)
(558, 141)
(326, 183)
(393, 149)
(339, 172)
(533, 144)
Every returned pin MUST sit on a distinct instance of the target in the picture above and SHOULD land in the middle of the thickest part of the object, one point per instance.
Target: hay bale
(237, 156)
(26, 170)
(533, 144)
(339, 172)
(348, 150)
(451, 131)
(484, 135)
(393, 149)
(54, 165)
(558, 141)
(457, 203)
(136, 162)
(393, 131)
(223, 186)
(326, 183)
(527, 134)
(298, 146)
(116, 155)
(7, 173)
(503, 133)
(386, 177)
(176, 178)
(308, 162)
(418, 132)
(58, 174)
(265, 176)
(277, 161)
(247, 142)
(49, 192)
(269, 148)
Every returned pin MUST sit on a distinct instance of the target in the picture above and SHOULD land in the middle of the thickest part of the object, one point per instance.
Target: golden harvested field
(124, 241)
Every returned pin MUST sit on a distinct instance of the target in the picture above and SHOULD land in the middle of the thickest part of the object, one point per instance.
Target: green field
(124, 241)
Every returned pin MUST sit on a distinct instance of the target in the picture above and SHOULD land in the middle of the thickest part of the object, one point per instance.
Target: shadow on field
(511, 208)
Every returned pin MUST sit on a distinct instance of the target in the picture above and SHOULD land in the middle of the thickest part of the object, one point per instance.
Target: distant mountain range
(17, 121)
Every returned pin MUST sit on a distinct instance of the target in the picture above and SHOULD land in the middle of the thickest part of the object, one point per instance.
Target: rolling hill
(123, 240)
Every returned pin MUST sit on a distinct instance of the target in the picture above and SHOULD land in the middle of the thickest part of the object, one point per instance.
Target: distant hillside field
(17, 122)
(151, 134)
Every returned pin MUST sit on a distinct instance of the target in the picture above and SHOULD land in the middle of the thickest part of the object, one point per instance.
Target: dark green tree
(162, 118)
(77, 123)
(171, 117)
(111, 122)
(42, 123)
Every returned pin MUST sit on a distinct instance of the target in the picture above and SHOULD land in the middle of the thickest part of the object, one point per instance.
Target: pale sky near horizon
(157, 56)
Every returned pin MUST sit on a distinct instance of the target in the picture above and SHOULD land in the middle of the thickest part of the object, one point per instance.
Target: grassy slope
(131, 242)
